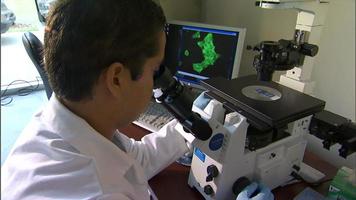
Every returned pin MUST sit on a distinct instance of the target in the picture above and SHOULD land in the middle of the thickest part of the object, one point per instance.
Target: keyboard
(154, 118)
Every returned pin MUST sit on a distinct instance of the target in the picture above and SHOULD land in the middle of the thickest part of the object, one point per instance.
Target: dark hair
(83, 37)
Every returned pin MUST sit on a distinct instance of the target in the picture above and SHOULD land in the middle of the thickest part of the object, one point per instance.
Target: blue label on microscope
(199, 154)
(216, 141)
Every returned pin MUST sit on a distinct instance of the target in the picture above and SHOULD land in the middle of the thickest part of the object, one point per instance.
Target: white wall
(261, 24)
(185, 10)
(334, 69)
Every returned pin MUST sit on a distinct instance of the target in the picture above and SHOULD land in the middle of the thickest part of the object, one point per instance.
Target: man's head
(84, 37)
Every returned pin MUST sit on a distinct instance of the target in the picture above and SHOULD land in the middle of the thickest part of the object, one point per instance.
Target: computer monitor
(196, 51)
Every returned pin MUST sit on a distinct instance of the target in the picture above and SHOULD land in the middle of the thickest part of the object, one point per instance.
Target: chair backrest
(34, 48)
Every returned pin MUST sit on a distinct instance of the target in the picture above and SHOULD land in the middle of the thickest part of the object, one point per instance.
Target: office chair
(34, 48)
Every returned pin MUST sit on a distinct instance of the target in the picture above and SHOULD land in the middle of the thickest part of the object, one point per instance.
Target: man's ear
(114, 77)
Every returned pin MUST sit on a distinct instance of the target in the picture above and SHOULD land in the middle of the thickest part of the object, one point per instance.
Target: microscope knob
(208, 190)
(240, 184)
(212, 171)
(343, 151)
(327, 144)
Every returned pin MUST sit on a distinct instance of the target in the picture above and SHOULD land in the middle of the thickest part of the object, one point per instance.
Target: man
(100, 57)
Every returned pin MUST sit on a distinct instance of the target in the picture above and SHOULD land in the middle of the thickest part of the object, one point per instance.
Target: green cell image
(209, 53)
(186, 53)
(196, 35)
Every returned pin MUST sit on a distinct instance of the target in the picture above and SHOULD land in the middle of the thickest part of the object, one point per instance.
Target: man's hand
(255, 191)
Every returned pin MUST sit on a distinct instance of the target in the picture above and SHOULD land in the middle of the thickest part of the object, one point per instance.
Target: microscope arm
(310, 20)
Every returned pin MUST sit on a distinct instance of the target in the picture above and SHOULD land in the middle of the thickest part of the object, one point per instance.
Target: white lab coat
(60, 156)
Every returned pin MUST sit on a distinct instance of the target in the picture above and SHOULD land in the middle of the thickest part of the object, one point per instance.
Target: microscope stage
(265, 103)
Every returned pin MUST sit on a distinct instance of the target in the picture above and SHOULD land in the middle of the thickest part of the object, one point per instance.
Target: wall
(334, 71)
(261, 24)
(185, 10)
(334, 67)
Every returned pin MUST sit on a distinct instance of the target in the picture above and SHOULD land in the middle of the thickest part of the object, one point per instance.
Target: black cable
(20, 92)
(311, 184)
(318, 183)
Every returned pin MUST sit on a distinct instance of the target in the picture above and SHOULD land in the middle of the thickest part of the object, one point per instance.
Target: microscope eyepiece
(179, 101)
(163, 78)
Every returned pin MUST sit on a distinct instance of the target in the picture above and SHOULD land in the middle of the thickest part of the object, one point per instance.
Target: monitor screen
(196, 52)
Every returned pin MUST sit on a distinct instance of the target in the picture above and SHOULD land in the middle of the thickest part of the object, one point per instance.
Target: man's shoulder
(45, 162)
(39, 142)
(37, 133)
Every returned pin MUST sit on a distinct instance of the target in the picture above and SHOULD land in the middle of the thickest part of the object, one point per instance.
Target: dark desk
(172, 182)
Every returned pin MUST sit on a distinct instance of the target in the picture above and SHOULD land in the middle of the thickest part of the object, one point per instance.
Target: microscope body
(220, 161)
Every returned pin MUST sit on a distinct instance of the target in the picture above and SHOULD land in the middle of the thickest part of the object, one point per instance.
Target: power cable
(20, 92)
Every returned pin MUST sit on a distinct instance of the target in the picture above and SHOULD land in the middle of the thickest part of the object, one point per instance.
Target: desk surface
(172, 182)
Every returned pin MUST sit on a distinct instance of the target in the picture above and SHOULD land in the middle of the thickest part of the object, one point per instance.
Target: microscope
(243, 131)
(250, 128)
(237, 136)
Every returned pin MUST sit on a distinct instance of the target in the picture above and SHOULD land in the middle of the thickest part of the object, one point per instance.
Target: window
(17, 17)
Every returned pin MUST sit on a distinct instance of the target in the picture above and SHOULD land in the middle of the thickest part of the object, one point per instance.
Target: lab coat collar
(85, 138)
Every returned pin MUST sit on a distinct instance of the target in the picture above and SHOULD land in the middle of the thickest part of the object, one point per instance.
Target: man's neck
(94, 114)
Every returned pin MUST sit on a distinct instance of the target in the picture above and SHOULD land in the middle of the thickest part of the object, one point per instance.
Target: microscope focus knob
(240, 184)
(327, 144)
(208, 190)
(212, 171)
